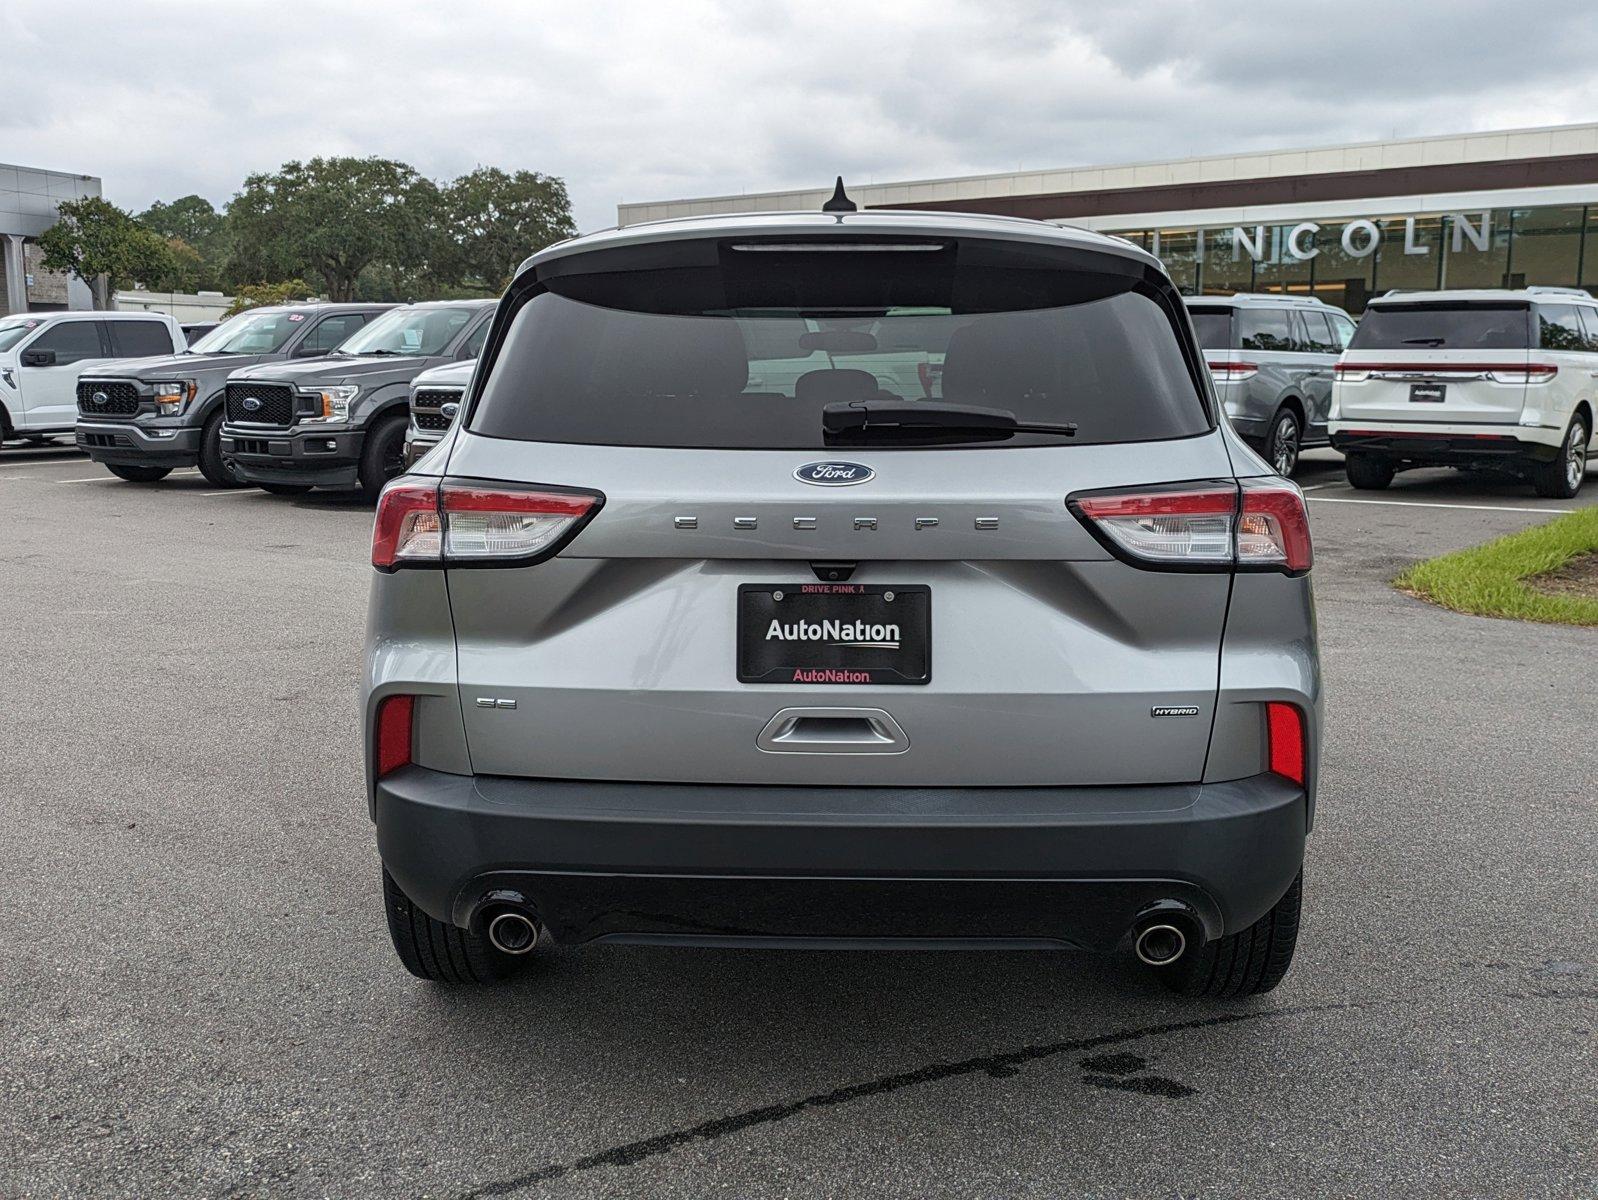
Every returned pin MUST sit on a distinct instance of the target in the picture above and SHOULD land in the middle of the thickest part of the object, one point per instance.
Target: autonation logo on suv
(836, 633)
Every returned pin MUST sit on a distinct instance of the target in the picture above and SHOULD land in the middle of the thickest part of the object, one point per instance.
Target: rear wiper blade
(1431, 341)
(878, 418)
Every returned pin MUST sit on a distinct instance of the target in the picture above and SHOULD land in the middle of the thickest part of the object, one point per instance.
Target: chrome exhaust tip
(1160, 945)
(512, 932)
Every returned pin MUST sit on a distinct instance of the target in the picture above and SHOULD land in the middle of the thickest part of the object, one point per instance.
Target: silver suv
(1272, 358)
(1014, 647)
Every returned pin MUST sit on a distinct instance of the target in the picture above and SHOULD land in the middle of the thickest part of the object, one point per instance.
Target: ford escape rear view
(844, 579)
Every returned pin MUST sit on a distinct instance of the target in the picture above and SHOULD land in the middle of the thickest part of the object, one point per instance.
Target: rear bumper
(317, 457)
(128, 444)
(733, 863)
(1448, 444)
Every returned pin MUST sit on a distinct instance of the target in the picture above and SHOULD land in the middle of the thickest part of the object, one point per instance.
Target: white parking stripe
(1440, 504)
(235, 492)
(65, 460)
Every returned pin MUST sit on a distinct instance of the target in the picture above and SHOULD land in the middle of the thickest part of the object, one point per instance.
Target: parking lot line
(234, 492)
(1441, 504)
(65, 460)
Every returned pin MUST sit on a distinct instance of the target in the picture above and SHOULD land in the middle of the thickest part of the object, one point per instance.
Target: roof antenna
(840, 203)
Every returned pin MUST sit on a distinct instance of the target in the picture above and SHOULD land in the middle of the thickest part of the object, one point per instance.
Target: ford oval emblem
(99, 399)
(834, 474)
(449, 410)
(251, 404)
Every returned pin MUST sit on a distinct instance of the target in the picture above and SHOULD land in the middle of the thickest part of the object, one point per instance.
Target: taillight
(1445, 370)
(1351, 372)
(1273, 527)
(457, 523)
(1258, 524)
(1530, 373)
(391, 734)
(1233, 372)
(1285, 726)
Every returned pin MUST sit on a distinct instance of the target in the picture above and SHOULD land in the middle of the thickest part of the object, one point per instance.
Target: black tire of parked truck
(218, 471)
(138, 474)
(1561, 479)
(1368, 472)
(383, 456)
(1245, 963)
(438, 952)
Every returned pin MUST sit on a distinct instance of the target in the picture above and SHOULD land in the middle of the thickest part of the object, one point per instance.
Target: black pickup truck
(142, 418)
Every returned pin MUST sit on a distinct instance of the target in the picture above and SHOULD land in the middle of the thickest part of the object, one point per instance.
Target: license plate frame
(1428, 393)
(835, 657)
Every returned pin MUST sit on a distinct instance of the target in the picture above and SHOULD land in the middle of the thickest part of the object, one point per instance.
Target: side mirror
(310, 352)
(38, 358)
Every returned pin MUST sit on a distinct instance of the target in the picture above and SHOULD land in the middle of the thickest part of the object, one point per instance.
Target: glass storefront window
(1410, 253)
(1545, 246)
(1471, 266)
(1341, 278)
(1281, 270)
(1178, 250)
(1226, 265)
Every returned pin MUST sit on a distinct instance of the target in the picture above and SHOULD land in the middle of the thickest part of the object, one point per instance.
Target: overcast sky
(647, 101)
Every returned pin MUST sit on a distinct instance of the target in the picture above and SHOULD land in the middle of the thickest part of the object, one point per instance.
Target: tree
(197, 234)
(497, 219)
(256, 295)
(94, 237)
(331, 218)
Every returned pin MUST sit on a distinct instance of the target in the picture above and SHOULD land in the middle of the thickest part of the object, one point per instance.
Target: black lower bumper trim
(1444, 448)
(730, 864)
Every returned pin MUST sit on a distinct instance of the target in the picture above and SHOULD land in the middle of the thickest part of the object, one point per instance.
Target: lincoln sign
(1359, 237)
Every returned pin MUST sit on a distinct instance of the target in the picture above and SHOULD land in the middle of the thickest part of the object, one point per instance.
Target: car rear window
(744, 349)
(1448, 326)
(1212, 327)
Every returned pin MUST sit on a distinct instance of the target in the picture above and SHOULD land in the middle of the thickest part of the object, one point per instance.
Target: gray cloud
(637, 101)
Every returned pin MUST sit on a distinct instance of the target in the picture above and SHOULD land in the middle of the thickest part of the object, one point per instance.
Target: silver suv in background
(1271, 358)
(664, 646)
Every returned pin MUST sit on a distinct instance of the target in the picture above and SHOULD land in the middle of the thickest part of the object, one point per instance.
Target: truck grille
(274, 403)
(106, 398)
(425, 406)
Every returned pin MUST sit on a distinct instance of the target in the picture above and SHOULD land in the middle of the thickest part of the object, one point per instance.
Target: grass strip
(1495, 580)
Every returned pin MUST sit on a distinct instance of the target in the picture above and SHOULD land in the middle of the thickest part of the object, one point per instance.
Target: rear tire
(438, 952)
(285, 489)
(383, 456)
(1284, 443)
(1562, 478)
(1247, 963)
(138, 474)
(217, 470)
(1368, 472)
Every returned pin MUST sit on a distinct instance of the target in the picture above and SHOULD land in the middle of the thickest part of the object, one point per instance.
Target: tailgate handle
(832, 731)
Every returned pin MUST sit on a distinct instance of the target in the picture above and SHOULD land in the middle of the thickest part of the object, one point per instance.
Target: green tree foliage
(198, 235)
(331, 218)
(256, 295)
(496, 219)
(94, 237)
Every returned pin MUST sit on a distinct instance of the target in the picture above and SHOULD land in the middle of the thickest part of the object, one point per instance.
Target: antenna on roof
(840, 202)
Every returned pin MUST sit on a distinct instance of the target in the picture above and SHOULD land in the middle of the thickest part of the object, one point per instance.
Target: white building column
(16, 275)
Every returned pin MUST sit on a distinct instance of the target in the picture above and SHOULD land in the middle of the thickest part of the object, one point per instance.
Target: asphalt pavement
(198, 997)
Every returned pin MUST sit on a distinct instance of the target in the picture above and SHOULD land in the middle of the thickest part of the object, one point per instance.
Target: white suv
(43, 353)
(1492, 379)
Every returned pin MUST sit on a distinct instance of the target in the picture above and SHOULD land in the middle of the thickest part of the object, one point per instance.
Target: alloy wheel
(1284, 445)
(1576, 455)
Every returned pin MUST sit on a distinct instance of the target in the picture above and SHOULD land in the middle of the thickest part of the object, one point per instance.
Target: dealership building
(1505, 209)
(29, 198)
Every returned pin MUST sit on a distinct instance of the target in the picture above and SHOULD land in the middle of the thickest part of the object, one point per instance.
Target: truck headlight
(336, 402)
(172, 398)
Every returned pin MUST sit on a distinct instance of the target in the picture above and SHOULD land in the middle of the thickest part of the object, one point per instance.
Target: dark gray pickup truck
(142, 418)
(340, 422)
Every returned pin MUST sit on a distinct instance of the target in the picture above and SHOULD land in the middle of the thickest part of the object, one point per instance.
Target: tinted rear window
(1213, 327)
(1443, 327)
(745, 353)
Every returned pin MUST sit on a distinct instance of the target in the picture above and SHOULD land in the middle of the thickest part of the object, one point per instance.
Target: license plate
(834, 633)
(1428, 393)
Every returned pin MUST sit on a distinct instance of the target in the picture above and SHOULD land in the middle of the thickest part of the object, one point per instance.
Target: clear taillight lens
(435, 524)
(1531, 373)
(1258, 524)
(1233, 372)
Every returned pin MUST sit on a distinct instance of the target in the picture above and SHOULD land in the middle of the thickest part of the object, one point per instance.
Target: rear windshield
(746, 354)
(1443, 327)
(1213, 327)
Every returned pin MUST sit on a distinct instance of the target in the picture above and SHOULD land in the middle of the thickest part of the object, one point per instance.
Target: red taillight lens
(1286, 729)
(408, 527)
(1273, 528)
(391, 739)
(455, 522)
(1233, 372)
